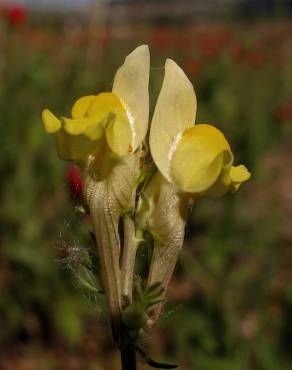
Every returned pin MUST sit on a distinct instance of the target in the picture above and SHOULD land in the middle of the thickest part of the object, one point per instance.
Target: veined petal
(81, 106)
(131, 86)
(107, 198)
(50, 121)
(165, 219)
(199, 157)
(175, 111)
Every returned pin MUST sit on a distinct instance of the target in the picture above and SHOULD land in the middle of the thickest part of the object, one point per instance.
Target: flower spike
(132, 195)
(193, 161)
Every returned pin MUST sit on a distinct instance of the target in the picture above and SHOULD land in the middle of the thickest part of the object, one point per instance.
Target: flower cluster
(146, 181)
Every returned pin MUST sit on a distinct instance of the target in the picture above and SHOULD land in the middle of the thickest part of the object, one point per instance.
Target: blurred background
(230, 303)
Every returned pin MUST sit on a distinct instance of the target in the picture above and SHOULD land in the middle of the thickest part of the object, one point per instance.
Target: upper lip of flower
(191, 157)
(175, 111)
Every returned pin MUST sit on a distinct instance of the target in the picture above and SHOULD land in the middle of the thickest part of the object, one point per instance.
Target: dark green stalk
(128, 351)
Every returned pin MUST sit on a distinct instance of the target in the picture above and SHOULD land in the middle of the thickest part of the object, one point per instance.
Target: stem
(128, 258)
(128, 349)
(128, 352)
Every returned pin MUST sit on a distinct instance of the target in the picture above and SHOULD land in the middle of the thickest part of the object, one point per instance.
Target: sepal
(165, 219)
(135, 315)
(108, 194)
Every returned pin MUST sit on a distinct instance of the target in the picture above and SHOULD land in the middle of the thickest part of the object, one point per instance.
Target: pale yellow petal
(50, 121)
(131, 86)
(199, 157)
(80, 107)
(175, 111)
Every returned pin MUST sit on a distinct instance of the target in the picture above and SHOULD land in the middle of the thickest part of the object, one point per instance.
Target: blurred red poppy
(212, 44)
(257, 58)
(183, 42)
(193, 67)
(16, 14)
(161, 38)
(284, 112)
(238, 53)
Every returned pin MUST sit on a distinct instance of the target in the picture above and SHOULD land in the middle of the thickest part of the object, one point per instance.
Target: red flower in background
(183, 42)
(193, 67)
(74, 181)
(257, 58)
(238, 53)
(212, 44)
(284, 112)
(16, 14)
(161, 38)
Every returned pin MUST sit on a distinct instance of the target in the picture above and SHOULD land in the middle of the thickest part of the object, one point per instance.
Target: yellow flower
(103, 136)
(192, 160)
(197, 159)
(120, 116)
